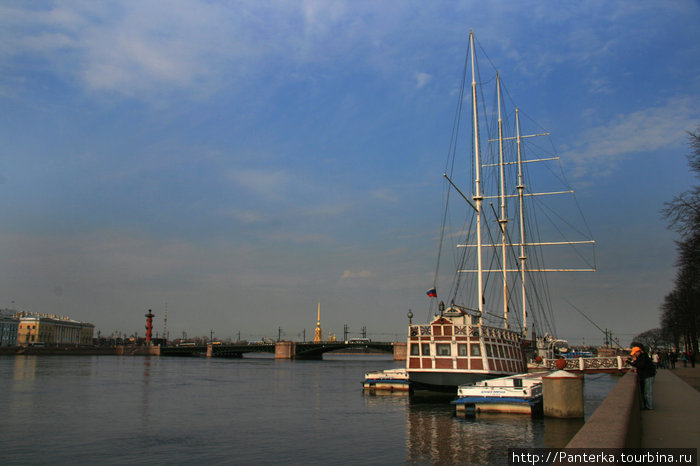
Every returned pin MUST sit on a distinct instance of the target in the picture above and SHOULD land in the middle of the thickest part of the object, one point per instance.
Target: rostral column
(149, 326)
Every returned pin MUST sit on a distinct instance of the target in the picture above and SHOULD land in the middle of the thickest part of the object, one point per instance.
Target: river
(168, 410)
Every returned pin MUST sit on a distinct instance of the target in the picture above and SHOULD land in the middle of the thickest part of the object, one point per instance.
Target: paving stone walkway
(675, 420)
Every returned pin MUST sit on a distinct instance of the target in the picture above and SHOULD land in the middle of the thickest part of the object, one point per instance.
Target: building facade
(9, 325)
(43, 330)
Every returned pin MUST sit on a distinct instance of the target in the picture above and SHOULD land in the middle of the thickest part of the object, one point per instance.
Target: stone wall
(617, 421)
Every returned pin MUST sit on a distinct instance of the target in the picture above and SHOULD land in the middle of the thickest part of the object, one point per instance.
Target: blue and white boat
(389, 380)
(516, 394)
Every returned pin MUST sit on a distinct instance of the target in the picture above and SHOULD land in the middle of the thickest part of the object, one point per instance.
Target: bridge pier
(285, 350)
(400, 351)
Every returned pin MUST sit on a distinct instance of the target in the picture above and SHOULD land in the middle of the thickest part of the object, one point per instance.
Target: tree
(680, 311)
(652, 340)
(683, 212)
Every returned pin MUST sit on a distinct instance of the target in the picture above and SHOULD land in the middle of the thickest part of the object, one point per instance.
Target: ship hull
(445, 382)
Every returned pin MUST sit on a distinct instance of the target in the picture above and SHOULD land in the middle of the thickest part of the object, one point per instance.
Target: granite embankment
(674, 422)
(77, 350)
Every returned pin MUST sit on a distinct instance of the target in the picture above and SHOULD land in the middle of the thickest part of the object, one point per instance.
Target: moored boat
(454, 349)
(497, 302)
(389, 380)
(516, 394)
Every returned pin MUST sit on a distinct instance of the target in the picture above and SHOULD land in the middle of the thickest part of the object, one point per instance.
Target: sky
(233, 163)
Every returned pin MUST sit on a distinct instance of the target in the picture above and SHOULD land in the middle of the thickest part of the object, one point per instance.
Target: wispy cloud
(422, 79)
(266, 184)
(385, 195)
(650, 129)
(136, 49)
(349, 274)
(244, 216)
(146, 50)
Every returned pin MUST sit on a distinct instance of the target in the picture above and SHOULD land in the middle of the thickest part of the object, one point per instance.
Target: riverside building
(44, 329)
(9, 324)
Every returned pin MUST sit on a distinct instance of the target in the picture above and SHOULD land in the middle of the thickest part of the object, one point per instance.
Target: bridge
(285, 349)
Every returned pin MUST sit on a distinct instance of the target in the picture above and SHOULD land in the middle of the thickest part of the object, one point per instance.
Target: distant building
(8, 328)
(35, 329)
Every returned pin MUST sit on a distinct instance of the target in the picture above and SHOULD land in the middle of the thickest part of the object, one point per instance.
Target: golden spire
(318, 333)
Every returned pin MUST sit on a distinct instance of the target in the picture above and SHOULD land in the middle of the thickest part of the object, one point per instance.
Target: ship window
(500, 351)
(475, 349)
(415, 349)
(443, 349)
(425, 348)
(489, 351)
(462, 350)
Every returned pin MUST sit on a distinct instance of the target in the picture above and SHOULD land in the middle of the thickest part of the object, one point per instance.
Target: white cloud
(135, 48)
(644, 130)
(385, 195)
(150, 49)
(358, 274)
(422, 79)
(299, 238)
(266, 184)
(244, 216)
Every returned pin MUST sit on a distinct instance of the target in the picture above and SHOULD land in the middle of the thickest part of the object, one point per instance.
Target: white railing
(589, 364)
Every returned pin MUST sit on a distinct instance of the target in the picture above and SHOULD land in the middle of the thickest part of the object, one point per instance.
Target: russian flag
(432, 293)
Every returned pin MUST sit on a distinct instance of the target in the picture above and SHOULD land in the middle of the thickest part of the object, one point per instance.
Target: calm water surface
(160, 410)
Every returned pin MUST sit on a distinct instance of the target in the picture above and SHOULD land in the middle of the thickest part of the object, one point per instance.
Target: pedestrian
(655, 358)
(645, 374)
(672, 359)
(685, 359)
(691, 356)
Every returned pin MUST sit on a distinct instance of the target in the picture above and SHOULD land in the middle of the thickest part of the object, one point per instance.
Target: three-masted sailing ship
(478, 324)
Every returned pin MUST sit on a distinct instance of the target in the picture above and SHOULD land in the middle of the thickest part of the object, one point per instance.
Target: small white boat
(390, 380)
(517, 394)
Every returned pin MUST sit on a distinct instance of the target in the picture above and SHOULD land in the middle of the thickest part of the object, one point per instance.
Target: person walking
(645, 374)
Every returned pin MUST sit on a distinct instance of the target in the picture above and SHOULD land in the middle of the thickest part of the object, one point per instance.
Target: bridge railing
(608, 364)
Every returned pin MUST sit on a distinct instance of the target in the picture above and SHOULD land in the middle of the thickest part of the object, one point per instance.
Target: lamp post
(410, 317)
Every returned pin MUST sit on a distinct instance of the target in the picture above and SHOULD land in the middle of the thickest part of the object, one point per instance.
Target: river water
(167, 410)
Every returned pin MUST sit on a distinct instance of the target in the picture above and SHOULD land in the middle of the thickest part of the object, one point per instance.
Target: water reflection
(145, 393)
(558, 432)
(25, 368)
(436, 435)
(21, 394)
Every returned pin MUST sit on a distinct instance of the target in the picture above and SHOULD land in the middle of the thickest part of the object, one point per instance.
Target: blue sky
(240, 161)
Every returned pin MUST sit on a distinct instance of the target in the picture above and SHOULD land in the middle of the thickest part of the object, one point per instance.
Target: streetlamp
(410, 317)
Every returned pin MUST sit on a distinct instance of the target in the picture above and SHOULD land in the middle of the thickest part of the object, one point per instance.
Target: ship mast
(523, 257)
(502, 221)
(520, 265)
(478, 198)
